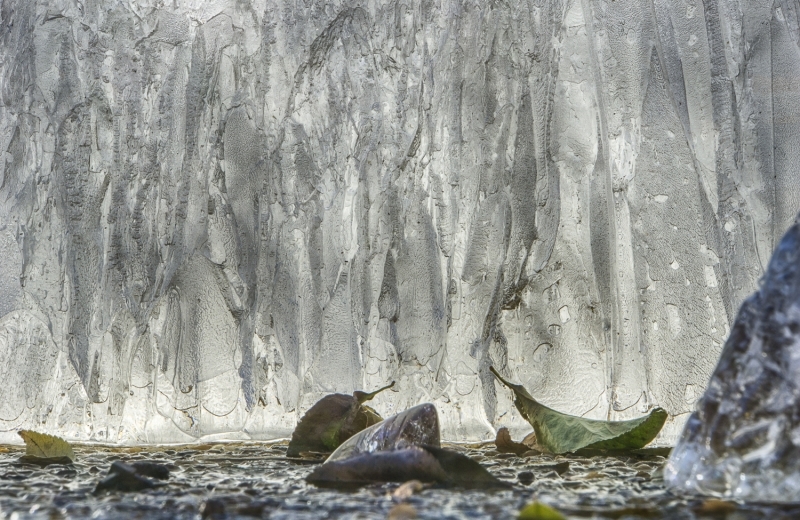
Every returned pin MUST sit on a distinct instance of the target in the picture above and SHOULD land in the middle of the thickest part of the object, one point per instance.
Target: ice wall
(214, 212)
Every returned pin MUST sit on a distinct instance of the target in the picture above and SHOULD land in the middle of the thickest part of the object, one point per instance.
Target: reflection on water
(248, 480)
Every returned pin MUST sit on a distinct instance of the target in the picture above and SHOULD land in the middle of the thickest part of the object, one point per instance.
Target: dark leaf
(331, 421)
(462, 470)
(401, 465)
(561, 433)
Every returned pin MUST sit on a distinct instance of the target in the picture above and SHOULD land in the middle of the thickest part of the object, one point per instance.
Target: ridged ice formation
(744, 439)
(214, 212)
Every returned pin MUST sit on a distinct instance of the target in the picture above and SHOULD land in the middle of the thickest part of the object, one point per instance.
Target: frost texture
(744, 439)
(214, 212)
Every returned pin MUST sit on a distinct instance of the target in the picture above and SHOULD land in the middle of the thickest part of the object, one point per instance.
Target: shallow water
(249, 480)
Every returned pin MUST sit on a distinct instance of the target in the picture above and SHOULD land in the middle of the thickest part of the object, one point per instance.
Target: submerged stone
(743, 440)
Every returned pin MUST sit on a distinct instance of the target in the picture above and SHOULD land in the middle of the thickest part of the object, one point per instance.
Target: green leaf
(539, 511)
(331, 421)
(561, 433)
(45, 446)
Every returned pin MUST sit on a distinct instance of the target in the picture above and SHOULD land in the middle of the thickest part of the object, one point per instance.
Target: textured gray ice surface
(214, 212)
(744, 439)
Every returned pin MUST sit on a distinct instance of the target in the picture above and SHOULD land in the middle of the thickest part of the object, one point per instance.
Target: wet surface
(256, 481)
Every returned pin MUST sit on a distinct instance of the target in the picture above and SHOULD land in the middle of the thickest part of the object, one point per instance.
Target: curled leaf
(561, 433)
(331, 421)
(505, 444)
(44, 446)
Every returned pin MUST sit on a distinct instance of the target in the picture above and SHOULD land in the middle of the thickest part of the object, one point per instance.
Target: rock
(525, 477)
(212, 508)
(743, 440)
(151, 469)
(123, 477)
(402, 512)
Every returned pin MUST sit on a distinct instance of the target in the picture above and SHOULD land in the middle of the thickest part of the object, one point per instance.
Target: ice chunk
(742, 441)
(416, 426)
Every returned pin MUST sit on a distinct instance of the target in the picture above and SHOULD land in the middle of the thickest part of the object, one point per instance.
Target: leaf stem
(363, 397)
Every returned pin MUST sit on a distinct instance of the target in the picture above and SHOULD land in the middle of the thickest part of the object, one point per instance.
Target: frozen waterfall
(212, 213)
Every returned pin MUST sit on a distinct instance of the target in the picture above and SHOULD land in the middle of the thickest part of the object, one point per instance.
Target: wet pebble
(525, 477)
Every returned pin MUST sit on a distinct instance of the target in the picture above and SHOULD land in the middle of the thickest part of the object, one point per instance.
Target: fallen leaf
(561, 433)
(530, 441)
(45, 446)
(505, 444)
(413, 463)
(539, 511)
(331, 421)
(462, 470)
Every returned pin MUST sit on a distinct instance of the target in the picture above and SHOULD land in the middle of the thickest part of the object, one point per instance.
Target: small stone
(406, 490)
(402, 512)
(151, 469)
(212, 508)
(123, 477)
(714, 506)
(525, 477)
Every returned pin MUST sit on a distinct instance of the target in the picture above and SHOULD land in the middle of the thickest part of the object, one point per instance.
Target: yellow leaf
(45, 446)
(539, 511)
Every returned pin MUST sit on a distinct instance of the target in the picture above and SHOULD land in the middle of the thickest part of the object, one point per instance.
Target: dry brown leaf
(505, 444)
